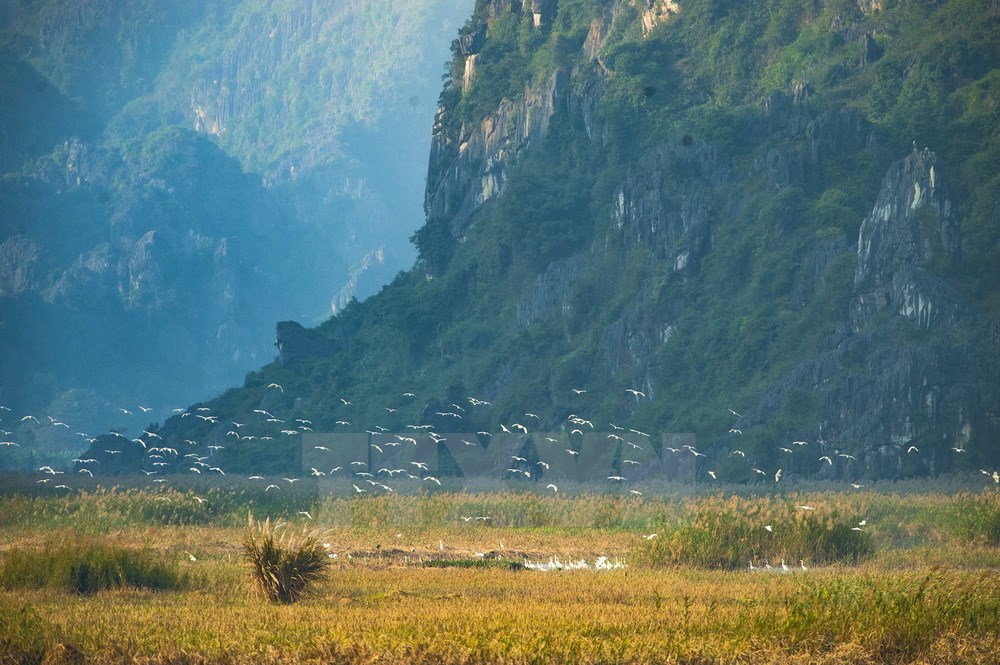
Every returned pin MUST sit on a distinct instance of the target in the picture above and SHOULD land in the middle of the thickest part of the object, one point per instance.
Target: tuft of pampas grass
(285, 566)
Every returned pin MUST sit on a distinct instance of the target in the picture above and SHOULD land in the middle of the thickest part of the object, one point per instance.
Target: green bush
(284, 567)
(86, 567)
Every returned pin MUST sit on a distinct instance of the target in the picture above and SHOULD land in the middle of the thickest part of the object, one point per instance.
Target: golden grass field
(924, 588)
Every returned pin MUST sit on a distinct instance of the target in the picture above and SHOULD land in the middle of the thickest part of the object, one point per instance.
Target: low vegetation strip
(86, 566)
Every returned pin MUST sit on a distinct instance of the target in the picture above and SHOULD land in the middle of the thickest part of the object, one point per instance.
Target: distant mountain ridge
(181, 175)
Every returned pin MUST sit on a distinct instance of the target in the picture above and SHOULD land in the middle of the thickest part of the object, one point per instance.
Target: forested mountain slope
(788, 209)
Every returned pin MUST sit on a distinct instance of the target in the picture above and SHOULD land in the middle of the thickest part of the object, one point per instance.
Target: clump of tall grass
(284, 566)
(730, 533)
(85, 567)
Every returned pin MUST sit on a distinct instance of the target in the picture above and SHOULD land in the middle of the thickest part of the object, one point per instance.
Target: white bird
(321, 448)
(432, 478)
(617, 478)
(856, 486)
(87, 471)
(733, 430)
(29, 418)
(828, 460)
(777, 475)
(636, 393)
(306, 513)
(800, 443)
(769, 528)
(290, 480)
(552, 487)
(801, 563)
(275, 385)
(190, 556)
(650, 536)
(913, 449)
(9, 443)
(145, 409)
(572, 452)
(578, 391)
(738, 415)
(740, 453)
(784, 566)
(358, 489)
(271, 487)
(806, 508)
(346, 403)
(712, 473)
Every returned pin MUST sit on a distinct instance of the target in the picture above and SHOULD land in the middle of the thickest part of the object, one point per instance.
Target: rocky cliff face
(906, 367)
(471, 167)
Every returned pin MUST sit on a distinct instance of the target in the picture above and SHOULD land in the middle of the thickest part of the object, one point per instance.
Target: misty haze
(500, 331)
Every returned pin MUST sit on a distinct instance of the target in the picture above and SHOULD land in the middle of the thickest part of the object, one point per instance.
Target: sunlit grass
(414, 582)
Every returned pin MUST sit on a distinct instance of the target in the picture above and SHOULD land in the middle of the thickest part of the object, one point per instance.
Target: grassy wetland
(886, 576)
